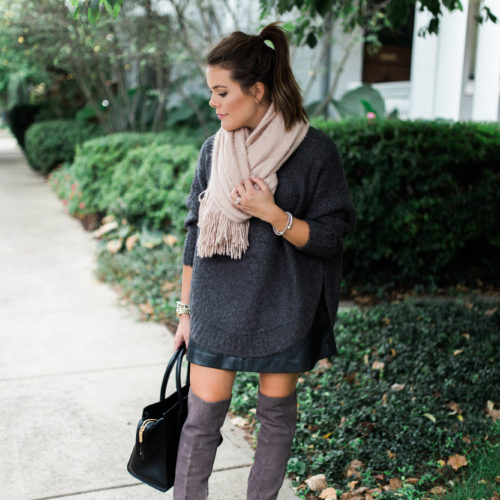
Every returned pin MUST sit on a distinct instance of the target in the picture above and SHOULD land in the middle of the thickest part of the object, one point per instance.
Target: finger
(248, 184)
(262, 185)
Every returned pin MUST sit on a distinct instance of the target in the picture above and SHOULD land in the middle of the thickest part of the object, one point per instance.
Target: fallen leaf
(352, 484)
(380, 477)
(412, 480)
(393, 352)
(378, 365)
(239, 422)
(397, 387)
(461, 288)
(105, 228)
(468, 305)
(437, 490)
(490, 410)
(457, 352)
(329, 494)
(395, 483)
(317, 482)
(442, 463)
(169, 239)
(365, 359)
(431, 417)
(108, 218)
(352, 468)
(114, 246)
(386, 320)
(456, 461)
(390, 454)
(131, 241)
(323, 365)
(497, 479)
(146, 308)
(453, 406)
(490, 312)
(466, 335)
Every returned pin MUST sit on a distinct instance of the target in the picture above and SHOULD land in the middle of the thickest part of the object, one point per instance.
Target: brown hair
(262, 58)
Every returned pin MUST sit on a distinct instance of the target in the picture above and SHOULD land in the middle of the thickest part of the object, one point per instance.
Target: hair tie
(269, 44)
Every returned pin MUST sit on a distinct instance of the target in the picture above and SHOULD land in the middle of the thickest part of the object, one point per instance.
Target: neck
(261, 111)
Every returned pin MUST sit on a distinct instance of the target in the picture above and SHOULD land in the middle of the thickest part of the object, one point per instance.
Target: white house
(453, 75)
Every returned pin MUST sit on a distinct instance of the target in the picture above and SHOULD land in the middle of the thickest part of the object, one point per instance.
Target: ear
(258, 91)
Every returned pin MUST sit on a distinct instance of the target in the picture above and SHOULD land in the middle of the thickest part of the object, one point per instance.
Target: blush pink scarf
(236, 156)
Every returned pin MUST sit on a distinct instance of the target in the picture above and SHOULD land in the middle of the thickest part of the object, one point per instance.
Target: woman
(268, 209)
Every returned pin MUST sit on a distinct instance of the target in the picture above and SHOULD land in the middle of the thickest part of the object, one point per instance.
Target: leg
(277, 413)
(208, 402)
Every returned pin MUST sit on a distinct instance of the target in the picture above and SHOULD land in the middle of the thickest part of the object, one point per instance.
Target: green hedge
(427, 200)
(445, 358)
(54, 141)
(150, 185)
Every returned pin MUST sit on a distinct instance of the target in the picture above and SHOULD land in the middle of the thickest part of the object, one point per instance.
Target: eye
(223, 94)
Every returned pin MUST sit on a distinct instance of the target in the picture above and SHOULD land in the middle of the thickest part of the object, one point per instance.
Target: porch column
(487, 71)
(423, 68)
(450, 63)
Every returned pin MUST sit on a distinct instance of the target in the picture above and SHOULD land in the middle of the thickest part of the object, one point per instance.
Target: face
(234, 107)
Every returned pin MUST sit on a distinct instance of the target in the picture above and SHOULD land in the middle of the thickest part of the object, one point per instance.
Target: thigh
(277, 385)
(211, 384)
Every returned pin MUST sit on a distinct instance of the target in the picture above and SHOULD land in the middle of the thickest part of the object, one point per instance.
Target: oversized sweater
(265, 302)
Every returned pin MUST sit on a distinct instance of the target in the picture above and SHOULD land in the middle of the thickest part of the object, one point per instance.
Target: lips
(220, 116)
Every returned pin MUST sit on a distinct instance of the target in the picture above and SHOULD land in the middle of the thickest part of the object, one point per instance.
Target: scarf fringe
(219, 235)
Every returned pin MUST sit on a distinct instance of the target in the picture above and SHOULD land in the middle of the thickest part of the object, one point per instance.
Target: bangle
(182, 308)
(287, 227)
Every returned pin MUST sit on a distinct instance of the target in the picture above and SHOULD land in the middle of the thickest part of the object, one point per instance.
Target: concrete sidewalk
(76, 369)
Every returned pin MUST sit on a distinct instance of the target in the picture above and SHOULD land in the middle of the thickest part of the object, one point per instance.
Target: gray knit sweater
(265, 302)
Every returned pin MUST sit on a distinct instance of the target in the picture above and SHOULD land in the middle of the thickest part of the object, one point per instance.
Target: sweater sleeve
(331, 214)
(199, 184)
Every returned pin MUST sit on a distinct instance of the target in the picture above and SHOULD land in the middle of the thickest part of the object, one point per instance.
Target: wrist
(277, 218)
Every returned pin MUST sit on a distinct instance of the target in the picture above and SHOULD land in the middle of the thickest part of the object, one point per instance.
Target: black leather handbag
(158, 431)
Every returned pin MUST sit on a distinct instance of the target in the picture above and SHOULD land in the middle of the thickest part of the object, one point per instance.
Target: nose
(213, 102)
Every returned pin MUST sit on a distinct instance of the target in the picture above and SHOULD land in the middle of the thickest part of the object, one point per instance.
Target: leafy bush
(88, 179)
(54, 141)
(445, 360)
(151, 184)
(426, 201)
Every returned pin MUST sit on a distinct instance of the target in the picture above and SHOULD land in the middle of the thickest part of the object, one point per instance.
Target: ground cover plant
(413, 392)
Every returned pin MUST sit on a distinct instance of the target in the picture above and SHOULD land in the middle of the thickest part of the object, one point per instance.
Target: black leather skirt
(298, 358)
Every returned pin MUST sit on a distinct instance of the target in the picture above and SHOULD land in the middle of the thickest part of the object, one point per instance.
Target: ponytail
(263, 58)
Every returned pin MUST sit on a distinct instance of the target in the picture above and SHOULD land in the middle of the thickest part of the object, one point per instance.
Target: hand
(255, 198)
(183, 331)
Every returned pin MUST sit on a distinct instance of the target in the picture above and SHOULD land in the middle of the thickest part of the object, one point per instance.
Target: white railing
(396, 95)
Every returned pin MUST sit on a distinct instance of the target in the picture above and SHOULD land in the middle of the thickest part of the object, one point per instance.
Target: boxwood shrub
(426, 199)
(150, 186)
(54, 141)
(445, 358)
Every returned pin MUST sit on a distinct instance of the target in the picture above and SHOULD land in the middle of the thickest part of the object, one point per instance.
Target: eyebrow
(219, 87)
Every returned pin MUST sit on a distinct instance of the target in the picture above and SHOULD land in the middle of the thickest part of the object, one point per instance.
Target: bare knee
(277, 385)
(211, 384)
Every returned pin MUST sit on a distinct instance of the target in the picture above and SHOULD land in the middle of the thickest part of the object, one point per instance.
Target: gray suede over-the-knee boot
(278, 418)
(197, 447)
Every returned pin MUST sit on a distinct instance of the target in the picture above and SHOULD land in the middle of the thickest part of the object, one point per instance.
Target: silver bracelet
(287, 227)
(182, 308)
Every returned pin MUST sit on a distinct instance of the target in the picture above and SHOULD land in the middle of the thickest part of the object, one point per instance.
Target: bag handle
(176, 359)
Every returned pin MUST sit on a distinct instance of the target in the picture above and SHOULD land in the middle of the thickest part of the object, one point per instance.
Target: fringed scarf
(236, 156)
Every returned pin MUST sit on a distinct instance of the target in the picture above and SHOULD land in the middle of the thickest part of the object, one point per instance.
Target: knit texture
(236, 156)
(265, 302)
